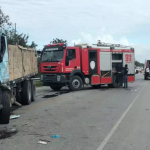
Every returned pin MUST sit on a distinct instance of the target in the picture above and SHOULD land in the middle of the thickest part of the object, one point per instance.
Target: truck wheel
(76, 83)
(26, 93)
(55, 87)
(115, 84)
(5, 111)
(33, 91)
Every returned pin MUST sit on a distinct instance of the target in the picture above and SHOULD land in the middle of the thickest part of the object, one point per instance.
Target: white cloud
(113, 21)
(141, 51)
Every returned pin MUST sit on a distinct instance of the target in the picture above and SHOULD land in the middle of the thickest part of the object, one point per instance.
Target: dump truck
(18, 65)
(81, 64)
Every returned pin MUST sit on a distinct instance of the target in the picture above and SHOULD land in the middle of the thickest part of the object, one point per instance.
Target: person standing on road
(126, 76)
(119, 73)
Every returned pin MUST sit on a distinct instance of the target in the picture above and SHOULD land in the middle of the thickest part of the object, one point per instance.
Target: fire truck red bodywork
(83, 66)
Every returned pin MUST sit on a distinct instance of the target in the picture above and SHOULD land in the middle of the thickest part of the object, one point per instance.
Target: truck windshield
(56, 55)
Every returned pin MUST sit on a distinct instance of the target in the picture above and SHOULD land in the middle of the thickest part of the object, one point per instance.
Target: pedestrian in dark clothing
(126, 76)
(119, 73)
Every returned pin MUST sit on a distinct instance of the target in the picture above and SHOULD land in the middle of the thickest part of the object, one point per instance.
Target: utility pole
(15, 28)
(15, 32)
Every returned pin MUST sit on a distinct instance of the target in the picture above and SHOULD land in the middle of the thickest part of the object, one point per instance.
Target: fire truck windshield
(52, 56)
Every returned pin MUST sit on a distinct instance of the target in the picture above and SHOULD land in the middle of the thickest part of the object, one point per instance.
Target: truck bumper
(48, 79)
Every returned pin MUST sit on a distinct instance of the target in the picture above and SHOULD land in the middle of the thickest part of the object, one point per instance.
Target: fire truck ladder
(102, 44)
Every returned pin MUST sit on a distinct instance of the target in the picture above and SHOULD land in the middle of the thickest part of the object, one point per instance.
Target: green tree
(56, 41)
(33, 45)
(137, 63)
(4, 19)
(14, 38)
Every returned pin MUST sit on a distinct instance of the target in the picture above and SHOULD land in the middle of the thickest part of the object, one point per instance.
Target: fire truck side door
(72, 59)
(92, 62)
(128, 58)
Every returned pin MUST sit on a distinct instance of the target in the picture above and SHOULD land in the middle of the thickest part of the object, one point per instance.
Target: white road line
(105, 141)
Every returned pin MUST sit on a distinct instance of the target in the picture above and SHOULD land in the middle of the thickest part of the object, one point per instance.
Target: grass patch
(38, 84)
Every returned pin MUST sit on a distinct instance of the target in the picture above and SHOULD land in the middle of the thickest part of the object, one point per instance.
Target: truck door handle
(75, 67)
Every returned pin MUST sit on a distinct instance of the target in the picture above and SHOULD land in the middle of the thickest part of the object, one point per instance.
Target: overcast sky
(85, 21)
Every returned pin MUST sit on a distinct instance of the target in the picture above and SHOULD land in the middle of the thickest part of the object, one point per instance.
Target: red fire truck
(82, 64)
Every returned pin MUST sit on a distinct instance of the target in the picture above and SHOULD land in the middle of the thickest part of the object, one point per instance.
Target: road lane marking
(105, 141)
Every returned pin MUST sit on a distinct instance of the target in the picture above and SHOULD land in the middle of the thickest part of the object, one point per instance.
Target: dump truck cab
(4, 65)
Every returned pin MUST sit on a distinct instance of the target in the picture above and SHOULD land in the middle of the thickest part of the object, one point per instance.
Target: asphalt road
(91, 119)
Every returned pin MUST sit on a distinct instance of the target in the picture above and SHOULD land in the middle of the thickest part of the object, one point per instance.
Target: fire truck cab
(83, 64)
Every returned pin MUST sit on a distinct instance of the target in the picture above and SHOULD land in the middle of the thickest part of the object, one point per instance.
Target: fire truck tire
(5, 111)
(55, 88)
(76, 83)
(33, 91)
(26, 93)
(115, 85)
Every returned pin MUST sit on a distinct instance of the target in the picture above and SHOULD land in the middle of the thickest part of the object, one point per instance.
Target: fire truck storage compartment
(95, 79)
(128, 58)
(117, 59)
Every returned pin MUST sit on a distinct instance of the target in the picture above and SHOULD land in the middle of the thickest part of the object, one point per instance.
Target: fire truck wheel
(5, 111)
(76, 83)
(26, 93)
(115, 84)
(55, 88)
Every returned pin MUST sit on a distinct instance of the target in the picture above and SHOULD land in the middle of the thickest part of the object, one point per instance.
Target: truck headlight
(41, 77)
(58, 78)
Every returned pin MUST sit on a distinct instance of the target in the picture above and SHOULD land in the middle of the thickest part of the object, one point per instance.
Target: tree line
(16, 38)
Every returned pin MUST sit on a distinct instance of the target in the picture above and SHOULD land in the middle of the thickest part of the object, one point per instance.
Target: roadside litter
(42, 142)
(55, 136)
(14, 116)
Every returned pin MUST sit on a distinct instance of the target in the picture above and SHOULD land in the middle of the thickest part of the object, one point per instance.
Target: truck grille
(50, 68)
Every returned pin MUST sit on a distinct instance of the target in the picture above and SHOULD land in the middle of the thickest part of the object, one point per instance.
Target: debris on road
(7, 133)
(42, 142)
(55, 136)
(14, 116)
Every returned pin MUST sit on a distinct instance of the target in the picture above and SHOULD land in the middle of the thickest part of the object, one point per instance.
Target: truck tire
(33, 91)
(55, 87)
(76, 83)
(26, 93)
(115, 84)
(5, 111)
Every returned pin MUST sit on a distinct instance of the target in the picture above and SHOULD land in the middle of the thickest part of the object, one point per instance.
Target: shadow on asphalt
(103, 88)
